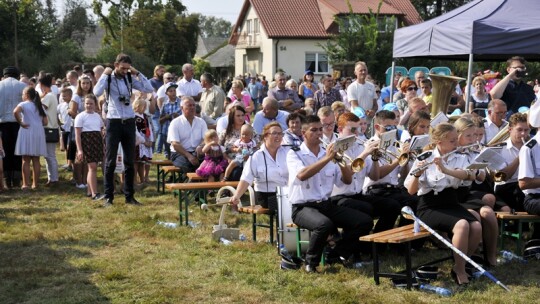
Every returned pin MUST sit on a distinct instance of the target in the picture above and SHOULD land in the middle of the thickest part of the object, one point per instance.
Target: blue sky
(226, 9)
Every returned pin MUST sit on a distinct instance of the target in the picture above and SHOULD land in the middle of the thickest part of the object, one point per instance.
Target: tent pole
(391, 98)
(468, 88)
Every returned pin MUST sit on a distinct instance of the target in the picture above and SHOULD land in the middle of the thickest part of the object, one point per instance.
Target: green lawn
(57, 246)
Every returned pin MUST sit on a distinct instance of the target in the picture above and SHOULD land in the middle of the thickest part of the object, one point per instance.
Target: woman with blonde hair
(237, 89)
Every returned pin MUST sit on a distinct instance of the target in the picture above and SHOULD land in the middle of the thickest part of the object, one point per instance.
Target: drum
(287, 235)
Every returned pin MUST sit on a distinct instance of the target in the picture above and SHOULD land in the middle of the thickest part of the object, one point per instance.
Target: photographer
(118, 84)
(512, 89)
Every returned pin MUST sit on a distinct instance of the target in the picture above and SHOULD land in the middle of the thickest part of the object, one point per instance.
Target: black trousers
(532, 206)
(120, 132)
(322, 218)
(12, 162)
(399, 195)
(386, 208)
(512, 195)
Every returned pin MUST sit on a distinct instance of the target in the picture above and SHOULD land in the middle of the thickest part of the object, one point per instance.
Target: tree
(211, 26)
(76, 23)
(363, 37)
(429, 9)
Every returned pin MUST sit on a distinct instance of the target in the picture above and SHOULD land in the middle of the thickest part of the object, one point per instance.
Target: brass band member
(529, 179)
(438, 206)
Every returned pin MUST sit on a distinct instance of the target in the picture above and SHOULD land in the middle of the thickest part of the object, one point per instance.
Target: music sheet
(492, 156)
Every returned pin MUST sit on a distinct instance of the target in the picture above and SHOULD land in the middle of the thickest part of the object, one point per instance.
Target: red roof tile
(314, 18)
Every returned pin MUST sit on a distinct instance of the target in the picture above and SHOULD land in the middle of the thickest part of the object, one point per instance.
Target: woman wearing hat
(307, 88)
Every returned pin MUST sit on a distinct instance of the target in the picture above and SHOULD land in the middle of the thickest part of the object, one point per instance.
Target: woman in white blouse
(266, 169)
(438, 206)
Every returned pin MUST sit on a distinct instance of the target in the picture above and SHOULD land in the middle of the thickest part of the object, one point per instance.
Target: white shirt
(89, 122)
(492, 129)
(364, 94)
(63, 115)
(529, 166)
(188, 135)
(188, 88)
(316, 188)
(50, 104)
(358, 177)
(391, 178)
(261, 165)
(433, 179)
(510, 153)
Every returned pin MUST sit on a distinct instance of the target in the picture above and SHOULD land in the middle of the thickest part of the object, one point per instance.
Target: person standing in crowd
(186, 134)
(157, 81)
(65, 123)
(361, 93)
(512, 89)
(89, 140)
(31, 138)
(50, 104)
(307, 87)
(10, 96)
(84, 87)
(312, 176)
(255, 90)
(170, 109)
(244, 99)
(212, 100)
(120, 122)
(189, 86)
(327, 95)
(288, 99)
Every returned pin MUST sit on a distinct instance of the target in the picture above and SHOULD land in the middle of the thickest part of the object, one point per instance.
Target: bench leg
(376, 277)
(158, 177)
(519, 236)
(298, 244)
(254, 227)
(501, 243)
(163, 177)
(408, 266)
(271, 229)
(180, 211)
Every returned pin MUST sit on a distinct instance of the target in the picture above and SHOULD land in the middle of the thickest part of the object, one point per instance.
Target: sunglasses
(412, 88)
(390, 128)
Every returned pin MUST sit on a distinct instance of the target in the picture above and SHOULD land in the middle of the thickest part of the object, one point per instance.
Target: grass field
(57, 246)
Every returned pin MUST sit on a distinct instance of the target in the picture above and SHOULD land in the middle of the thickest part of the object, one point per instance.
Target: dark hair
(89, 71)
(294, 116)
(230, 125)
(384, 115)
(415, 119)
(46, 80)
(34, 97)
(208, 77)
(515, 58)
(123, 58)
(310, 119)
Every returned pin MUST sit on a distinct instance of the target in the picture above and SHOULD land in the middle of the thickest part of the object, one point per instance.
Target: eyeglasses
(389, 128)
(378, 92)
(412, 89)
(169, 78)
(316, 129)
(275, 134)
(332, 124)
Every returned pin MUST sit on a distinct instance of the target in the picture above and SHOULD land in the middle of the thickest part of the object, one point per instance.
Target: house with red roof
(283, 34)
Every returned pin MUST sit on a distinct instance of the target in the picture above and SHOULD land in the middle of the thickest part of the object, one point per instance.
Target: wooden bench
(254, 210)
(175, 172)
(194, 177)
(159, 163)
(184, 189)
(400, 235)
(518, 217)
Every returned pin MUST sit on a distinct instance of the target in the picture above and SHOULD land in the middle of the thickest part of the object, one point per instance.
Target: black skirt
(92, 145)
(442, 211)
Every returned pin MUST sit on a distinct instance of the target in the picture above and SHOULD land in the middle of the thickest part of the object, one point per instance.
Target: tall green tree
(363, 37)
(211, 26)
(432, 8)
(77, 22)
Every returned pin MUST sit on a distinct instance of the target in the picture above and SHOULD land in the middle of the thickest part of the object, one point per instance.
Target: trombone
(341, 159)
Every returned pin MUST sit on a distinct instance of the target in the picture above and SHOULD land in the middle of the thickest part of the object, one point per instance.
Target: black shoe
(133, 201)
(311, 269)
(108, 203)
(98, 197)
(351, 262)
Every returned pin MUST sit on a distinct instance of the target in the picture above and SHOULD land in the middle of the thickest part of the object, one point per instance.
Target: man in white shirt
(361, 93)
(495, 119)
(328, 120)
(186, 134)
(529, 179)
(312, 176)
(189, 86)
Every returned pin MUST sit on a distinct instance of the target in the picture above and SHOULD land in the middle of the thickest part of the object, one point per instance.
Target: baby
(244, 147)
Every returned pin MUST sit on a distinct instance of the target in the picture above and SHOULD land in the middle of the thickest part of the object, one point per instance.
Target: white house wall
(292, 56)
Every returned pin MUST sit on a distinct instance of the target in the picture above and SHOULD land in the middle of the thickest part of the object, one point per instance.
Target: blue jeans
(159, 138)
(120, 131)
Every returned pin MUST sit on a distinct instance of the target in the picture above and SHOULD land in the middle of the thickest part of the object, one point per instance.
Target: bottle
(224, 241)
(434, 289)
(510, 256)
(416, 226)
(167, 224)
(284, 252)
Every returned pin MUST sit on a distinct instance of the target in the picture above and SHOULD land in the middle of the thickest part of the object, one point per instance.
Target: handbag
(52, 135)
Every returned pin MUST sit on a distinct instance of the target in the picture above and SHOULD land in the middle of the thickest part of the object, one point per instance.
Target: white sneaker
(81, 186)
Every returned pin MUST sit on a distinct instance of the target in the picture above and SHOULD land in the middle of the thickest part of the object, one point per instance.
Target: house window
(248, 27)
(317, 62)
(256, 25)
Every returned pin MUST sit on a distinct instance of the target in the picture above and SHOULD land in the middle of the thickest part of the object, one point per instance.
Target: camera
(124, 99)
(521, 73)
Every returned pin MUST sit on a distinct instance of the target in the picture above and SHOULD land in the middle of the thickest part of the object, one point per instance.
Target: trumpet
(341, 159)
(428, 154)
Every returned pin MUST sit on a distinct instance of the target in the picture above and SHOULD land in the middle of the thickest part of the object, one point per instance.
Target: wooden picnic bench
(519, 218)
(159, 163)
(401, 235)
(185, 188)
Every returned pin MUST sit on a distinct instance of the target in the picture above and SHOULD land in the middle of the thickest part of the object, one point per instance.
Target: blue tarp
(488, 29)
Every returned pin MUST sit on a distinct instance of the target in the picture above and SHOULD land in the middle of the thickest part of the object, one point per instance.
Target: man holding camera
(118, 84)
(512, 89)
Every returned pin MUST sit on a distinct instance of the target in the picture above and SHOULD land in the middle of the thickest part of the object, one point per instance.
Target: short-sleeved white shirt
(492, 129)
(188, 135)
(261, 165)
(510, 153)
(89, 122)
(363, 93)
(188, 88)
(316, 188)
(358, 177)
(391, 178)
(529, 164)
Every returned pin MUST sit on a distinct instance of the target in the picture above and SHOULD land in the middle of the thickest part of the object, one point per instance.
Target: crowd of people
(284, 134)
